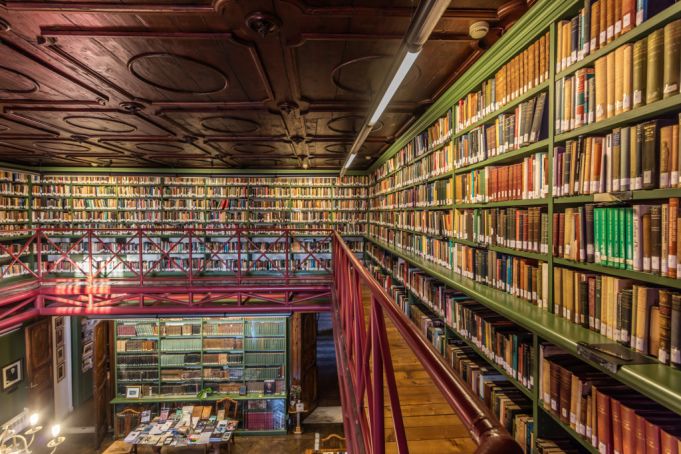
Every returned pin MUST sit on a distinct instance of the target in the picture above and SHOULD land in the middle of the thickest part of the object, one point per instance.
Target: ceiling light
(405, 66)
(351, 158)
(306, 162)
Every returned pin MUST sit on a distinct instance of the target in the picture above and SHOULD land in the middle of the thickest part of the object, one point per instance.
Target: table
(183, 433)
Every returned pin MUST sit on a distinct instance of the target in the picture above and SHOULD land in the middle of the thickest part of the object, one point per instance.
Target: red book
(652, 438)
(604, 422)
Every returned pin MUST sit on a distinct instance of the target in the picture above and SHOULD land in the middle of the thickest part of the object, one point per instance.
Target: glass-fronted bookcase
(164, 363)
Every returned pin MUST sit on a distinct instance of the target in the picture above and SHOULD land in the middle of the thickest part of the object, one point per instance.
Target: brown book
(654, 334)
(603, 421)
(672, 44)
(611, 75)
(603, 24)
(619, 80)
(628, 421)
(628, 15)
(595, 25)
(646, 240)
(565, 394)
(610, 20)
(654, 68)
(665, 319)
(626, 75)
(601, 69)
(655, 238)
(617, 432)
(673, 237)
(666, 138)
(652, 438)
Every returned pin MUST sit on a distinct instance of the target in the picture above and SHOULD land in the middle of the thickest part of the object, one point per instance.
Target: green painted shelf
(627, 274)
(636, 33)
(658, 382)
(506, 157)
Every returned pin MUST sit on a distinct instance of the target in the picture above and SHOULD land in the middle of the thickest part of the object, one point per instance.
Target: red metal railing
(115, 272)
(365, 361)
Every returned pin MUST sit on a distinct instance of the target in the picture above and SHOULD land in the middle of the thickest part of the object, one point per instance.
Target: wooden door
(39, 367)
(100, 381)
(304, 357)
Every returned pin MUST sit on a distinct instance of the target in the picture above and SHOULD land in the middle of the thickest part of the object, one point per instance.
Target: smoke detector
(478, 30)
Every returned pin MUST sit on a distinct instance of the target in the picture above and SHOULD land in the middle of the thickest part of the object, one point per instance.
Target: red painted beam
(181, 310)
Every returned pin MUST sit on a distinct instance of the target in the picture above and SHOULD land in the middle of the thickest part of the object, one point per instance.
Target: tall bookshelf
(171, 360)
(420, 241)
(214, 202)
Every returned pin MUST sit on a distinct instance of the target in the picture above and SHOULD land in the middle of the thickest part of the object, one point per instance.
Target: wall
(12, 348)
(63, 404)
(82, 382)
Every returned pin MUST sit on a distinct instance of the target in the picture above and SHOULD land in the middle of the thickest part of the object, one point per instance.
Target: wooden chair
(231, 408)
(129, 418)
(332, 443)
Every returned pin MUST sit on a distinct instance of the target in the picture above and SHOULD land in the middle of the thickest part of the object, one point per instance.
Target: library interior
(345, 226)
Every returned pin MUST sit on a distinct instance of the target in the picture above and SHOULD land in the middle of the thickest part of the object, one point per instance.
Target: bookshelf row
(524, 377)
(564, 216)
(144, 201)
(173, 359)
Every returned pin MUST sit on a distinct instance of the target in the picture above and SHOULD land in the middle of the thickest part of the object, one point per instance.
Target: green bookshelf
(171, 360)
(659, 382)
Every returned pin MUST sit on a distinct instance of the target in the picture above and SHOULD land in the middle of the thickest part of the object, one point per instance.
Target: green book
(611, 226)
(672, 41)
(630, 238)
(654, 69)
(639, 73)
(597, 235)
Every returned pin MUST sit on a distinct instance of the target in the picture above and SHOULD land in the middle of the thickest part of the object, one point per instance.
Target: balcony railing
(363, 351)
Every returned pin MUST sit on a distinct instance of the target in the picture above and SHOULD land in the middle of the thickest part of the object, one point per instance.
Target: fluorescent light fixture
(351, 158)
(405, 66)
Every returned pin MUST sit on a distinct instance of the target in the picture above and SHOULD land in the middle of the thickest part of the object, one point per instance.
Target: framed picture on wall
(60, 354)
(12, 374)
(61, 372)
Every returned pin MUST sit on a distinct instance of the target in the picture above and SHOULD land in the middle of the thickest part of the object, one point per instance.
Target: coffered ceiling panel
(92, 122)
(170, 68)
(226, 123)
(217, 83)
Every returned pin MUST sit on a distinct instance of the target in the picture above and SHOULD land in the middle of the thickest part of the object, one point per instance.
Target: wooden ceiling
(222, 84)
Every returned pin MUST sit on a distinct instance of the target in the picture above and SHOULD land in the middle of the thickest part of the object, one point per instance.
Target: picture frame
(59, 335)
(61, 358)
(59, 322)
(133, 392)
(12, 374)
(61, 372)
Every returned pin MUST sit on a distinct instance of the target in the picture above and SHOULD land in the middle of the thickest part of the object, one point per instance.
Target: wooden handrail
(483, 426)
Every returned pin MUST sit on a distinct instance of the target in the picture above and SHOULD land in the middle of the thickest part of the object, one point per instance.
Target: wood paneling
(39, 367)
(243, 83)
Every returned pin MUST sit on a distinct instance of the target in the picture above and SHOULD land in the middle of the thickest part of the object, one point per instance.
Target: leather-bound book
(638, 77)
(672, 44)
(654, 68)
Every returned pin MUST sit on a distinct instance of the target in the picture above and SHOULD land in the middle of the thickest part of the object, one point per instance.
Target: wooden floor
(431, 425)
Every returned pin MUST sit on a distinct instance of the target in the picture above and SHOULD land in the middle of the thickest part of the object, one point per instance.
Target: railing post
(191, 261)
(287, 251)
(140, 248)
(89, 254)
(238, 256)
(39, 246)
(378, 405)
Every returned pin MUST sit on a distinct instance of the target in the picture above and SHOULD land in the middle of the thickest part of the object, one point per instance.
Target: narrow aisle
(431, 425)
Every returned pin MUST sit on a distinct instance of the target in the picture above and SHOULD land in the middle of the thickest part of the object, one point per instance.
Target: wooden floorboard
(431, 425)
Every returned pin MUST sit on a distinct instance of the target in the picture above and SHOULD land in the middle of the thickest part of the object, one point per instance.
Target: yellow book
(601, 88)
(610, 85)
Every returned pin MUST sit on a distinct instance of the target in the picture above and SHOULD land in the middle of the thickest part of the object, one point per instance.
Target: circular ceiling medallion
(159, 147)
(350, 124)
(100, 124)
(254, 148)
(15, 82)
(178, 73)
(364, 75)
(61, 146)
(229, 125)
